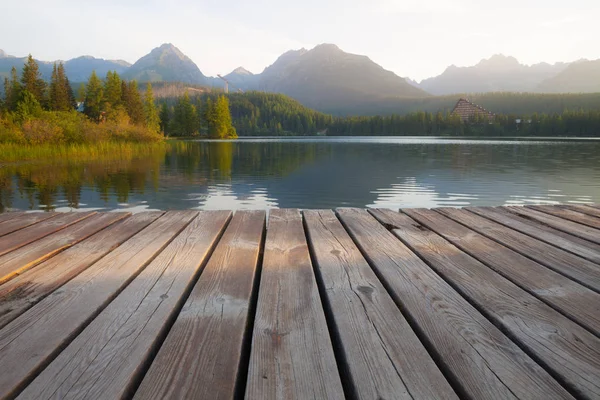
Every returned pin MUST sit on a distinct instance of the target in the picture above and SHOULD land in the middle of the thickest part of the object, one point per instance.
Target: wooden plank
(572, 299)
(26, 290)
(568, 350)
(292, 355)
(571, 215)
(480, 359)
(573, 244)
(580, 270)
(10, 215)
(23, 220)
(35, 232)
(570, 227)
(584, 209)
(18, 261)
(195, 362)
(383, 356)
(107, 359)
(32, 340)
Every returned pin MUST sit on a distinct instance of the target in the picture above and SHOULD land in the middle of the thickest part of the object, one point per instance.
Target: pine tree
(113, 93)
(32, 81)
(185, 121)
(94, 97)
(134, 104)
(165, 117)
(218, 119)
(150, 111)
(12, 90)
(60, 90)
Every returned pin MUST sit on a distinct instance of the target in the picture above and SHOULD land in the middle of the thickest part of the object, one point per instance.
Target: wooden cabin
(467, 111)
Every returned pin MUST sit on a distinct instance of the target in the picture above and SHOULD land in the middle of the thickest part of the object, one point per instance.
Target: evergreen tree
(12, 90)
(150, 111)
(28, 106)
(81, 92)
(218, 118)
(94, 97)
(71, 95)
(60, 90)
(185, 120)
(32, 81)
(134, 104)
(165, 117)
(113, 94)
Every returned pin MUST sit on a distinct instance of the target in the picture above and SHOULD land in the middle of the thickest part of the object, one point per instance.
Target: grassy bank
(11, 152)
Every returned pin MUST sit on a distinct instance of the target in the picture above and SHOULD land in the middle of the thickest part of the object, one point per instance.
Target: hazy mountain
(165, 63)
(241, 78)
(496, 74)
(329, 79)
(77, 69)
(579, 77)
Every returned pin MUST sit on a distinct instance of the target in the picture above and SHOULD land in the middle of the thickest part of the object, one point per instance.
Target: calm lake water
(314, 173)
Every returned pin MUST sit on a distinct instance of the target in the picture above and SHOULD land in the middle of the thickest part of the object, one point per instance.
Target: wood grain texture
(480, 358)
(571, 215)
(572, 299)
(292, 355)
(14, 221)
(10, 215)
(105, 360)
(26, 290)
(580, 270)
(384, 357)
(195, 362)
(570, 227)
(573, 244)
(584, 209)
(33, 339)
(20, 260)
(563, 346)
(37, 231)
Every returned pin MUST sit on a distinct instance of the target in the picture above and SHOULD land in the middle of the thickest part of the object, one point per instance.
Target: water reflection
(314, 173)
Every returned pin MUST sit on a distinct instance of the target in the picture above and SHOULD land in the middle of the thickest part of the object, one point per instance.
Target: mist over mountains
(328, 79)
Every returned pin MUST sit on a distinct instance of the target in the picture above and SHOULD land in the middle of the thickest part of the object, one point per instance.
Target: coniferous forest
(34, 111)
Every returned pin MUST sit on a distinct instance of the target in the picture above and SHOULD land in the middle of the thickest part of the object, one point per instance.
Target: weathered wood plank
(570, 227)
(292, 355)
(479, 357)
(383, 356)
(20, 260)
(32, 340)
(22, 220)
(571, 352)
(195, 362)
(584, 209)
(37, 231)
(26, 290)
(10, 215)
(573, 244)
(107, 358)
(580, 270)
(570, 215)
(572, 299)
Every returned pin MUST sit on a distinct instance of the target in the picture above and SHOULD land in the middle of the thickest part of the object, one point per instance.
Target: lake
(260, 173)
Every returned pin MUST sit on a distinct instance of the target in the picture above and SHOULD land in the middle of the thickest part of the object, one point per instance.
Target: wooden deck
(474, 303)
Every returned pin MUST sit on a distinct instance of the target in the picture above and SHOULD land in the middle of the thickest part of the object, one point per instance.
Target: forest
(259, 113)
(35, 112)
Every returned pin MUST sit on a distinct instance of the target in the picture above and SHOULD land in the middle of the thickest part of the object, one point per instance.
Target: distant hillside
(579, 77)
(165, 63)
(496, 74)
(330, 80)
(77, 69)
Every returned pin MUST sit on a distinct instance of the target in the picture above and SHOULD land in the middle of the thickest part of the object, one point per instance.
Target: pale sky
(413, 38)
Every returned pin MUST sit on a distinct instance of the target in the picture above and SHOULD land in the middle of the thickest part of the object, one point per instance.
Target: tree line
(567, 123)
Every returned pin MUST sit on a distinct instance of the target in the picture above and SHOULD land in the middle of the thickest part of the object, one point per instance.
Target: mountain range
(331, 80)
